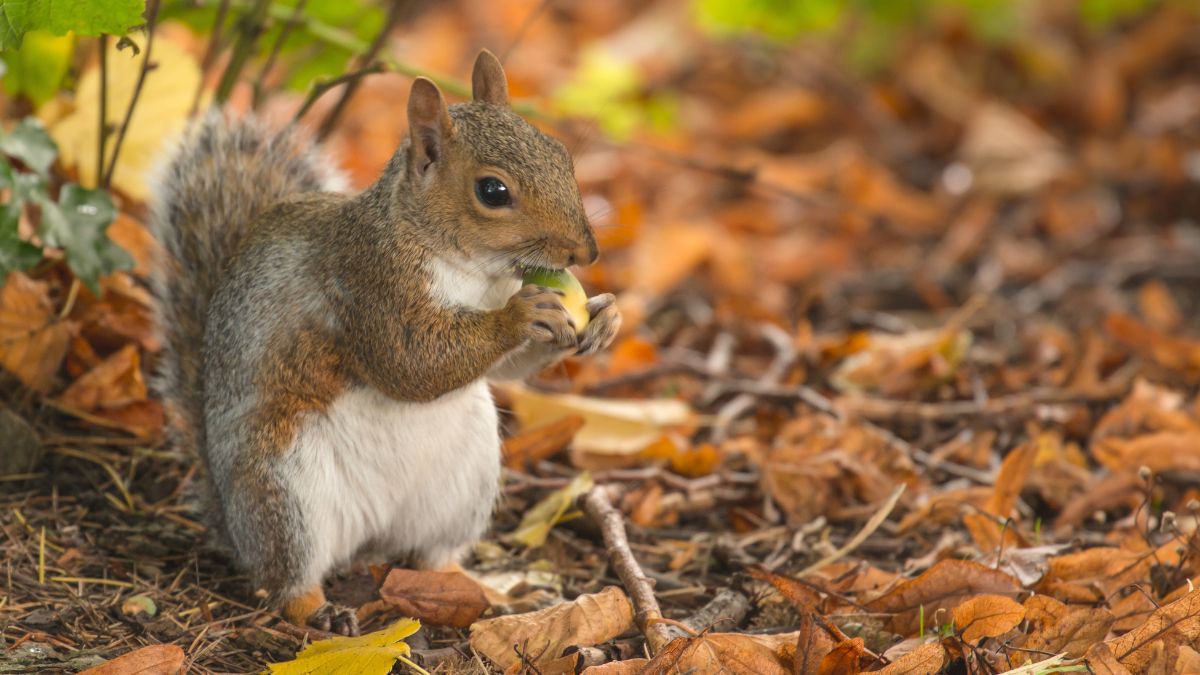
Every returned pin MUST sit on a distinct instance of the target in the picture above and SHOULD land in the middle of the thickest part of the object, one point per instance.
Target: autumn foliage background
(908, 374)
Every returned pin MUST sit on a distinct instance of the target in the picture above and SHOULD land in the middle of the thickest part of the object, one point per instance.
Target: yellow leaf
(162, 108)
(536, 524)
(373, 653)
(610, 426)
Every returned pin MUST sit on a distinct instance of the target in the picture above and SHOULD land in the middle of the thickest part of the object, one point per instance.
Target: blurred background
(856, 245)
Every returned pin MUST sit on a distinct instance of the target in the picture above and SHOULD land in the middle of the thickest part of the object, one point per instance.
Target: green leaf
(15, 254)
(38, 67)
(30, 143)
(77, 224)
(84, 17)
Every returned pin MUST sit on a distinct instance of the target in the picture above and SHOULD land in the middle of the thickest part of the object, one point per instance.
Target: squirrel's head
(498, 188)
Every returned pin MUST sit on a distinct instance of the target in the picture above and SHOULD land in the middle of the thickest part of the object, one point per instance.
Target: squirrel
(327, 354)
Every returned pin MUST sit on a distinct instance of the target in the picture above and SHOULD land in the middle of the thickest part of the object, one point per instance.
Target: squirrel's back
(220, 176)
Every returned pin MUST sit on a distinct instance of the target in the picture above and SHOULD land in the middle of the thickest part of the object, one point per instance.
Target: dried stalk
(321, 86)
(151, 22)
(598, 505)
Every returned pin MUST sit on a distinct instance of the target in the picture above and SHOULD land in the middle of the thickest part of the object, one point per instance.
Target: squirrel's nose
(586, 254)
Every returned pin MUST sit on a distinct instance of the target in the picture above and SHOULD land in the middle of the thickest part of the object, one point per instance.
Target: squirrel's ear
(488, 83)
(428, 122)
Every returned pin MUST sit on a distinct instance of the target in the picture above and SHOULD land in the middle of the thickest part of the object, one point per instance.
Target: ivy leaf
(84, 17)
(370, 654)
(15, 254)
(29, 142)
(77, 224)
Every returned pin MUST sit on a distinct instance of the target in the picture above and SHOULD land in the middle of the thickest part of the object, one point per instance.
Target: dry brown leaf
(1159, 452)
(1072, 633)
(1188, 660)
(1175, 624)
(152, 660)
(803, 598)
(437, 598)
(812, 645)
(33, 342)
(1101, 661)
(927, 658)
(1007, 153)
(1014, 473)
(666, 255)
(943, 586)
(1042, 610)
(1170, 352)
(985, 616)
(115, 383)
(845, 657)
(1159, 308)
(627, 667)
(718, 652)
(540, 442)
(542, 635)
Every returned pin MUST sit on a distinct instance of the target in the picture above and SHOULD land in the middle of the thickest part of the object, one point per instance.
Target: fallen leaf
(542, 635)
(432, 597)
(116, 382)
(985, 616)
(540, 442)
(33, 341)
(1175, 624)
(1072, 633)
(370, 654)
(718, 653)
(627, 667)
(537, 521)
(943, 586)
(927, 658)
(611, 426)
(845, 657)
(152, 660)
(1007, 153)
(1014, 472)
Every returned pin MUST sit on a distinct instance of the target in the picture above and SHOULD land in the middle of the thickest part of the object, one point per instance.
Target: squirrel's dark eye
(492, 192)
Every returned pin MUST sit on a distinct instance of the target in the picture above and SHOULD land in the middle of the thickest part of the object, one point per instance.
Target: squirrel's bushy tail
(222, 174)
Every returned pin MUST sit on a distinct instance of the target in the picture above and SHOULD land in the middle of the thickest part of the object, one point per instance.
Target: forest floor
(907, 381)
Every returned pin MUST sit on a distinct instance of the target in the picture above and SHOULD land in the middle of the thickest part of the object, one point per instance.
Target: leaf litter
(970, 274)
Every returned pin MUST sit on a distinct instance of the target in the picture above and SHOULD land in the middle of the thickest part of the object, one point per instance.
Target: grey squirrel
(327, 354)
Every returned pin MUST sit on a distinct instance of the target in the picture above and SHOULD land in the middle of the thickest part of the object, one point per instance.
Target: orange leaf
(540, 442)
(927, 658)
(942, 586)
(437, 598)
(33, 342)
(1175, 624)
(812, 646)
(985, 616)
(116, 382)
(1071, 634)
(846, 657)
(152, 660)
(719, 653)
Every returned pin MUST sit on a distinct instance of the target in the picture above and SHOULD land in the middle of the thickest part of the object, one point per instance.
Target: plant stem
(102, 136)
(151, 21)
(291, 23)
(250, 27)
(210, 52)
(365, 60)
(321, 86)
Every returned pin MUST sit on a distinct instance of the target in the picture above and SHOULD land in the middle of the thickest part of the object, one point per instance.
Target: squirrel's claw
(603, 327)
(337, 619)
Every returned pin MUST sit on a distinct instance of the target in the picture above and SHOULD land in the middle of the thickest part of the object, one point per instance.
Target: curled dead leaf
(985, 616)
(435, 598)
(152, 660)
(542, 635)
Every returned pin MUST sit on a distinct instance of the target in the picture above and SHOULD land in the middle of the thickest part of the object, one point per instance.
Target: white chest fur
(456, 281)
(383, 478)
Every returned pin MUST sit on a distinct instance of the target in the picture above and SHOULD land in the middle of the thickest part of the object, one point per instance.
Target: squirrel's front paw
(544, 318)
(333, 618)
(602, 328)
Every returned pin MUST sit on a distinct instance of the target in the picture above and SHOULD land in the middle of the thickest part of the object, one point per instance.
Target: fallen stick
(597, 504)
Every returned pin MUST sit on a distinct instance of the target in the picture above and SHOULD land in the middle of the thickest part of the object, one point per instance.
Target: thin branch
(321, 86)
(530, 19)
(598, 505)
(210, 52)
(250, 28)
(365, 60)
(151, 22)
(291, 23)
(102, 136)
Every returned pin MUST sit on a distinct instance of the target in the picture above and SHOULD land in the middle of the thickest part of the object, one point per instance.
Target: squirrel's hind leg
(310, 608)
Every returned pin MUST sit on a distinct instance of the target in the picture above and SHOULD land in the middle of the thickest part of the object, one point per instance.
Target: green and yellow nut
(574, 298)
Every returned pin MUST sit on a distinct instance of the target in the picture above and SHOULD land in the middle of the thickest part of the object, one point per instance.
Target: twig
(151, 21)
(210, 52)
(321, 86)
(364, 61)
(785, 356)
(524, 28)
(726, 610)
(103, 135)
(598, 505)
(288, 25)
(251, 27)
(859, 537)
